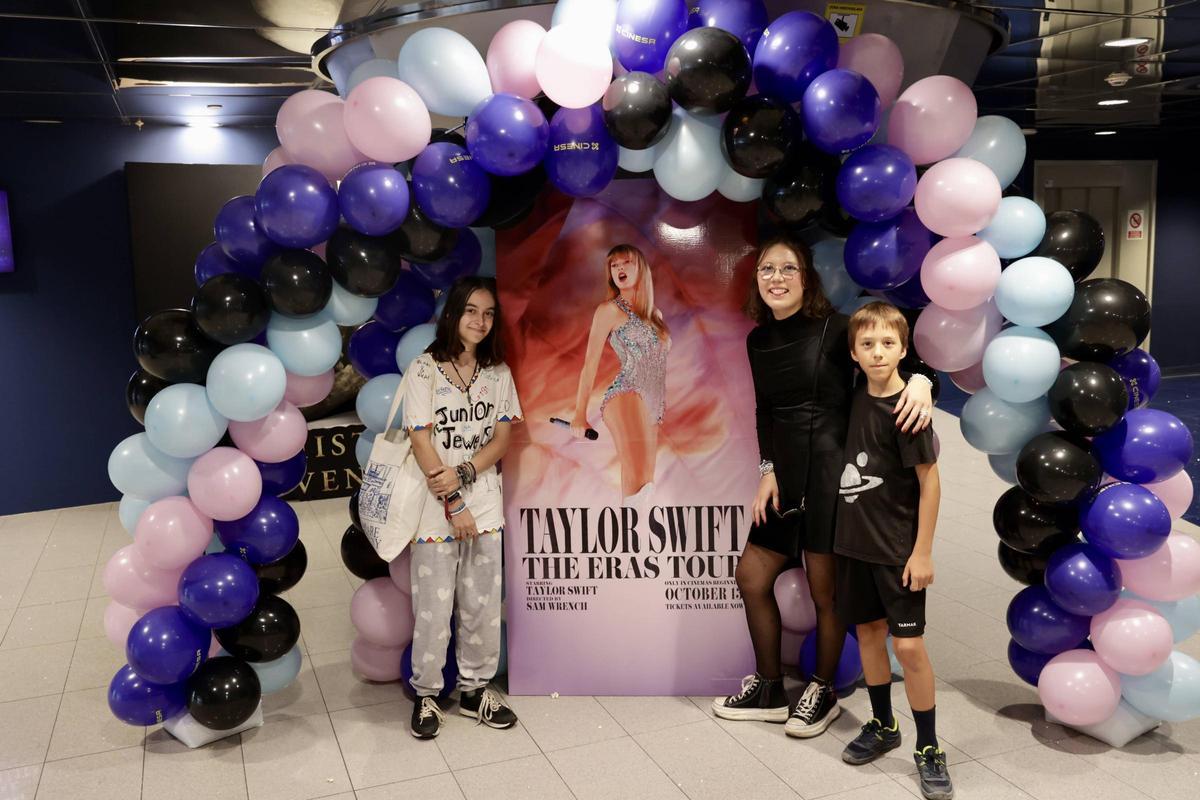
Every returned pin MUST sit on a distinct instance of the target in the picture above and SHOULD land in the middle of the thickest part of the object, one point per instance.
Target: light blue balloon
(307, 346)
(343, 61)
(373, 68)
(998, 144)
(130, 511)
(181, 421)
(1171, 692)
(1017, 228)
(246, 382)
(689, 165)
(214, 546)
(1005, 465)
(446, 70)
(637, 160)
(487, 241)
(278, 674)
(1034, 291)
(362, 447)
(375, 400)
(440, 305)
(1021, 363)
(1183, 615)
(414, 342)
(829, 262)
(855, 304)
(348, 309)
(994, 426)
(139, 468)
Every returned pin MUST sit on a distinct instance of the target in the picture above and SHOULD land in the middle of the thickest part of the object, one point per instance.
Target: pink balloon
(387, 120)
(957, 197)
(877, 58)
(276, 437)
(932, 119)
(319, 249)
(118, 621)
(134, 583)
(172, 533)
(573, 66)
(305, 390)
(953, 340)
(374, 663)
(970, 380)
(275, 159)
(311, 129)
(512, 56)
(224, 483)
(795, 602)
(1078, 688)
(960, 273)
(1170, 573)
(214, 647)
(382, 614)
(789, 647)
(1132, 637)
(1175, 492)
(400, 569)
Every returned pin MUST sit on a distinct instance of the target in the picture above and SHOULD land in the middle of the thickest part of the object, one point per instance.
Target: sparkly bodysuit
(643, 361)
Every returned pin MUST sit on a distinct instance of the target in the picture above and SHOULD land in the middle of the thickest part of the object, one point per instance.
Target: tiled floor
(330, 735)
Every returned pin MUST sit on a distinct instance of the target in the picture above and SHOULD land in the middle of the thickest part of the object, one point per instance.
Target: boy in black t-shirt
(884, 542)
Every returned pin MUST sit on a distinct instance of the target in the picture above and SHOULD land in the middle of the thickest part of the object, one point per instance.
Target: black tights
(756, 574)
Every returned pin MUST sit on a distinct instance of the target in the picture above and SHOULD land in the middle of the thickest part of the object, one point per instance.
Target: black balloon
(354, 518)
(512, 198)
(758, 136)
(1107, 318)
(1075, 240)
(140, 391)
(297, 282)
(1030, 568)
(281, 575)
(1025, 525)
(913, 364)
(170, 345)
(420, 239)
(708, 70)
(231, 308)
(223, 693)
(267, 634)
(796, 193)
(367, 266)
(637, 110)
(1088, 398)
(360, 557)
(1057, 467)
(836, 220)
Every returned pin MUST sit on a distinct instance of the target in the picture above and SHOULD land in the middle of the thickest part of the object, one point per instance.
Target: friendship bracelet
(925, 378)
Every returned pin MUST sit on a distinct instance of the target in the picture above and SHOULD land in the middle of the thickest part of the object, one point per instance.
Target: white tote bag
(394, 491)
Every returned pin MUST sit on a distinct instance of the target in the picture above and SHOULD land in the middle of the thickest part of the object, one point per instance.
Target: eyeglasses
(788, 272)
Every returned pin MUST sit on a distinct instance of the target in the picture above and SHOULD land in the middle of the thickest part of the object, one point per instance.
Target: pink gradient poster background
(598, 600)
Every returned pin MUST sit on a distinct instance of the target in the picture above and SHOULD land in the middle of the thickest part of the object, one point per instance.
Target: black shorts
(868, 592)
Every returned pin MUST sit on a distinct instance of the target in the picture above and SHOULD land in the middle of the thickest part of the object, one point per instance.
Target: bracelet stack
(466, 473)
(455, 504)
(765, 467)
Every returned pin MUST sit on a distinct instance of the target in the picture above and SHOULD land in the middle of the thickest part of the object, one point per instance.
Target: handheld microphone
(590, 434)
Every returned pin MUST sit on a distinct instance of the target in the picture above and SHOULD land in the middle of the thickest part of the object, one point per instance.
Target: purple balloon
(1038, 624)
(910, 294)
(296, 206)
(507, 135)
(372, 349)
(849, 666)
(876, 183)
(165, 646)
(218, 590)
(793, 50)
(1083, 580)
(212, 262)
(373, 198)
(841, 111)
(645, 31)
(264, 535)
(1026, 663)
(449, 186)
(886, 255)
(1146, 446)
(463, 260)
(583, 156)
(745, 19)
(241, 237)
(410, 302)
(281, 477)
(1124, 520)
(137, 701)
(1141, 374)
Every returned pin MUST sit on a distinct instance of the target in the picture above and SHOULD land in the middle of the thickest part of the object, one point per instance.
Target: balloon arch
(717, 100)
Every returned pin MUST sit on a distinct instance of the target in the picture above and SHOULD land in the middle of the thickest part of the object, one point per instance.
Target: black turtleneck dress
(802, 388)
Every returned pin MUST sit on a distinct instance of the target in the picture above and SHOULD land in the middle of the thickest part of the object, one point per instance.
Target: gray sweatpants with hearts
(461, 578)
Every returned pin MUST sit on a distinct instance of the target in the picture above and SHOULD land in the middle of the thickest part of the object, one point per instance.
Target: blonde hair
(643, 293)
(878, 315)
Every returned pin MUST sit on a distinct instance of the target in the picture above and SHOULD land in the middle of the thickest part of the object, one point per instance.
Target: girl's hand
(768, 492)
(443, 480)
(914, 407)
(464, 525)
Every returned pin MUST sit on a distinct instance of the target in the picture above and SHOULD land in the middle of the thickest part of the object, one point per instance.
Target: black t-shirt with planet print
(879, 494)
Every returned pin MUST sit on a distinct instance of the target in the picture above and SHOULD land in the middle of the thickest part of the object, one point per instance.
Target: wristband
(454, 512)
(917, 375)
(765, 468)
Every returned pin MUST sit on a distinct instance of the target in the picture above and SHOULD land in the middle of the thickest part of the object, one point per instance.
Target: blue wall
(67, 313)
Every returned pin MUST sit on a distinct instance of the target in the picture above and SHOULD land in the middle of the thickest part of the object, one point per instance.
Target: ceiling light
(1111, 102)
(1118, 79)
(1129, 41)
(1106, 133)
(45, 121)
(214, 106)
(208, 123)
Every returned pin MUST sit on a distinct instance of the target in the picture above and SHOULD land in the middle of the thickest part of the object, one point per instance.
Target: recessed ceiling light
(1106, 133)
(1129, 41)
(45, 121)
(214, 105)
(204, 124)
(1112, 102)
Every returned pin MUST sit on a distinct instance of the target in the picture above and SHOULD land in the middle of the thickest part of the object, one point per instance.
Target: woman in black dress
(803, 377)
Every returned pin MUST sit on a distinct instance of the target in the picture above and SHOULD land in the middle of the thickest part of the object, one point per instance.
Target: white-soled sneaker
(486, 705)
(760, 699)
(816, 710)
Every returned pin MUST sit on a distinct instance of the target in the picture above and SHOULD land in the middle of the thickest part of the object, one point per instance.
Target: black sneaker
(935, 777)
(816, 710)
(486, 705)
(872, 741)
(427, 718)
(760, 699)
